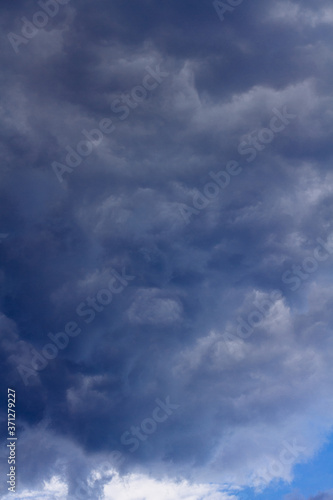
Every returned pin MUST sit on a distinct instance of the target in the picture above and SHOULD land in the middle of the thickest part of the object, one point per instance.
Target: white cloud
(140, 487)
(55, 489)
(292, 13)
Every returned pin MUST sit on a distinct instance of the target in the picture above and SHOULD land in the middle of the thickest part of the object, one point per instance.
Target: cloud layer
(176, 95)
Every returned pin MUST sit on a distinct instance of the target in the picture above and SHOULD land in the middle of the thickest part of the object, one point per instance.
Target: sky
(166, 249)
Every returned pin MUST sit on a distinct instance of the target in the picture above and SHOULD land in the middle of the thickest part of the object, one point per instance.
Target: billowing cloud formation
(166, 290)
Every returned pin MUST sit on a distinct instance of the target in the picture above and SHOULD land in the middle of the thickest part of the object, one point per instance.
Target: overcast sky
(166, 248)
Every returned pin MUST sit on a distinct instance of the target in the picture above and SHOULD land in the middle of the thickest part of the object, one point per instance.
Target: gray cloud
(121, 208)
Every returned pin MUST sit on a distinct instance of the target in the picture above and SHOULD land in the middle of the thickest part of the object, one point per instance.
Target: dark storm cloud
(120, 208)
